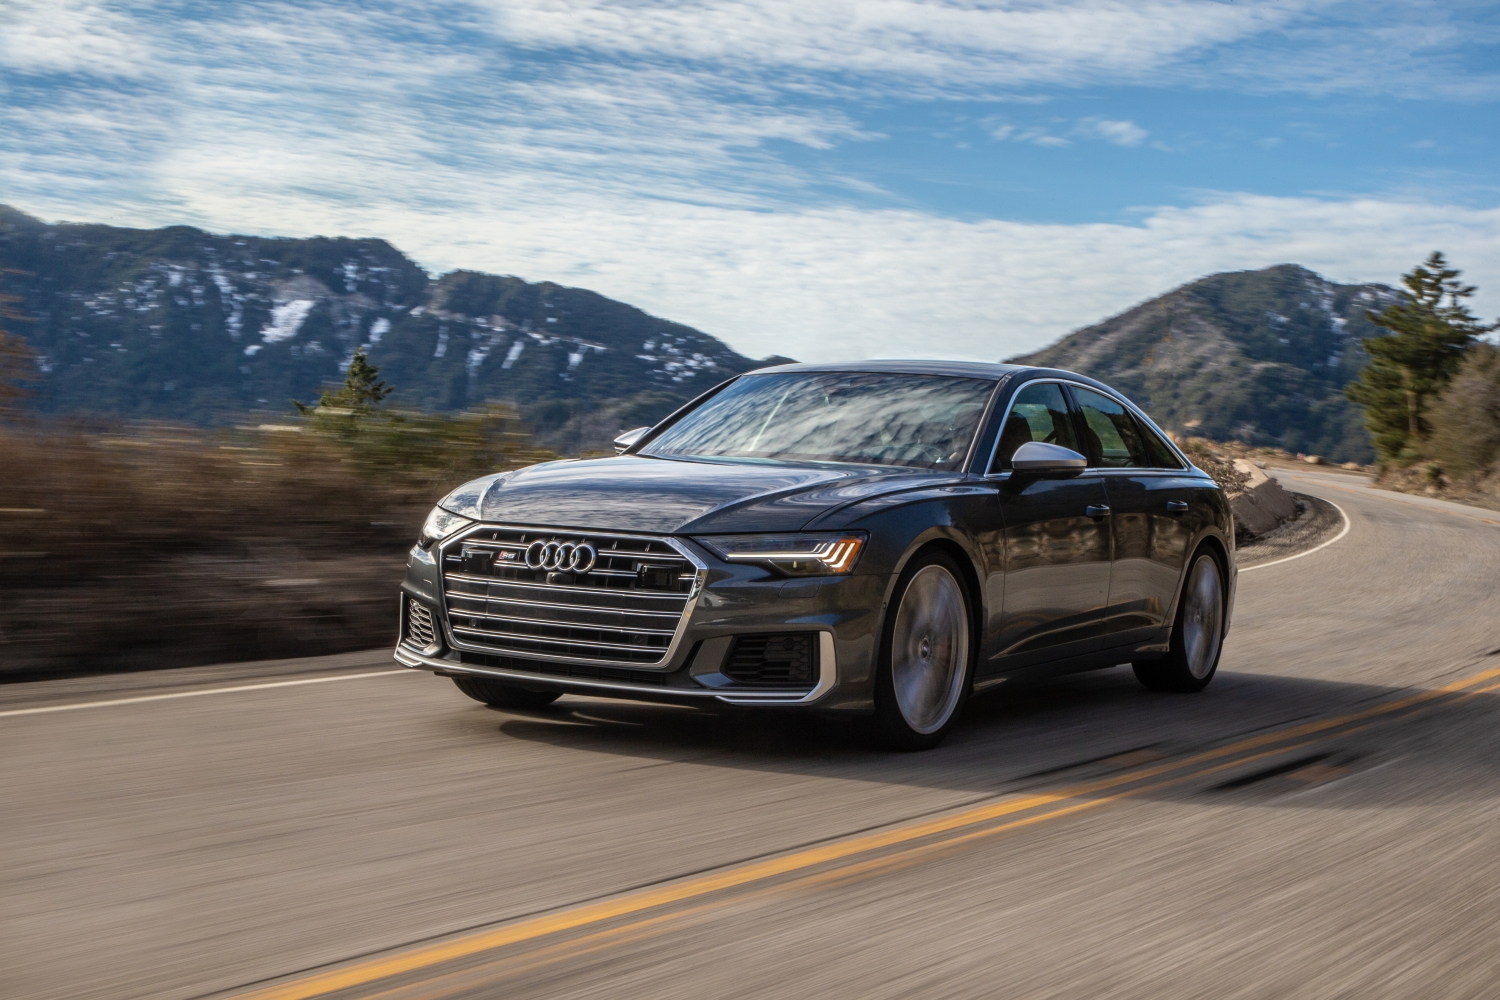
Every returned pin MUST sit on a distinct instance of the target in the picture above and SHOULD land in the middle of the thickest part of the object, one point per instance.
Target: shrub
(1466, 417)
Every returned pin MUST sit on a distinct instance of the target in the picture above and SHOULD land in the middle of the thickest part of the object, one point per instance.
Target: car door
(1153, 516)
(1056, 543)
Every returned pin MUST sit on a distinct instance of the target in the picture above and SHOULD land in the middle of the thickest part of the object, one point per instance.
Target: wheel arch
(1212, 542)
(969, 570)
(951, 540)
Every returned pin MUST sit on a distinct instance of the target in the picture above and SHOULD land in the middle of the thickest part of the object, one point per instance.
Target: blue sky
(821, 180)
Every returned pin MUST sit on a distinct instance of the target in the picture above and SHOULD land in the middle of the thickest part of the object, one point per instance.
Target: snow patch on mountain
(286, 320)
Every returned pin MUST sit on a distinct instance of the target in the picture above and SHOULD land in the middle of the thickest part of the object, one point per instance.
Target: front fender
(902, 524)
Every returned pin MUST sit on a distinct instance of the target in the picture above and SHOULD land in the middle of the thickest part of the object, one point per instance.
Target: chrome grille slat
(557, 642)
(618, 623)
(594, 626)
(531, 598)
(674, 615)
(630, 607)
(553, 588)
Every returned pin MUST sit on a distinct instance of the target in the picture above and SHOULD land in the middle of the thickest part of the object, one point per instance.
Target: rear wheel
(500, 695)
(1197, 636)
(926, 658)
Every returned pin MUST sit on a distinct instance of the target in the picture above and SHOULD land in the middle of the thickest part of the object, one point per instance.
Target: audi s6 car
(880, 538)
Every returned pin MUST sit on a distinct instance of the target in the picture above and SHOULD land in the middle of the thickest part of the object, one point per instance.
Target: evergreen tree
(1430, 328)
(361, 392)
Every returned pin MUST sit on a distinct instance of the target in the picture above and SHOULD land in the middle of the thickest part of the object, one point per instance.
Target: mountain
(1262, 356)
(181, 324)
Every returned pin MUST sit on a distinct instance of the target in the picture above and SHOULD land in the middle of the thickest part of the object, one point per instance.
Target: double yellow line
(917, 839)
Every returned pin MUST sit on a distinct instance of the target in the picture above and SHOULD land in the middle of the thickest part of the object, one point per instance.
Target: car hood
(669, 496)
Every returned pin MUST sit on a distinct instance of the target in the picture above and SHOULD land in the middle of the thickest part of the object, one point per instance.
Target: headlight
(792, 555)
(439, 525)
(468, 499)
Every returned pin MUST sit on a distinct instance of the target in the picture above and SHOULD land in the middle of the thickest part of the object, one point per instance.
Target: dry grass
(1477, 489)
(163, 546)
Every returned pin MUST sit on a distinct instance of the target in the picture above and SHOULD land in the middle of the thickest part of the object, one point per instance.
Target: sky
(821, 180)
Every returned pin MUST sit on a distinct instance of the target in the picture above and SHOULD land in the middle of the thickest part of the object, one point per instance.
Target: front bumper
(827, 679)
(734, 601)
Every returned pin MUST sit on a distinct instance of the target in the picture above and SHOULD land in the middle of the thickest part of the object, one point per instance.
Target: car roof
(960, 369)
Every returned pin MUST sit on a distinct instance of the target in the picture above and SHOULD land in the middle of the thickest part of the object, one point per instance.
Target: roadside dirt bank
(1316, 522)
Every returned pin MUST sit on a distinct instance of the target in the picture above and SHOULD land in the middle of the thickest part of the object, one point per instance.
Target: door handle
(1176, 506)
(1096, 510)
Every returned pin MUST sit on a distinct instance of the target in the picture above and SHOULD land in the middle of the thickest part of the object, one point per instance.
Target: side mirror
(1037, 458)
(629, 438)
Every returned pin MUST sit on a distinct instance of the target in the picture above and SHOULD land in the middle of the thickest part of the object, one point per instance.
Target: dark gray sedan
(880, 538)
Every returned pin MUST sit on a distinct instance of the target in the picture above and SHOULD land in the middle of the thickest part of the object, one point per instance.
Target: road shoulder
(105, 687)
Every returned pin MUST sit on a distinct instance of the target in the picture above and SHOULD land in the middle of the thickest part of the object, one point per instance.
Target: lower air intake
(786, 660)
(419, 628)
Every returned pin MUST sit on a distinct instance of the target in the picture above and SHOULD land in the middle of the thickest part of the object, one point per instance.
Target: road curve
(1320, 822)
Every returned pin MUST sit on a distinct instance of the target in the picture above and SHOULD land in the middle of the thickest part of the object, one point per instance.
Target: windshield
(922, 421)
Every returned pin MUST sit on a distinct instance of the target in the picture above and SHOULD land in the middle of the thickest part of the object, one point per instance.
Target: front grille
(419, 628)
(624, 606)
(772, 660)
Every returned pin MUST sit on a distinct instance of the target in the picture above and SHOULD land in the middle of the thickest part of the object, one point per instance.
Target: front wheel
(1197, 636)
(498, 695)
(926, 657)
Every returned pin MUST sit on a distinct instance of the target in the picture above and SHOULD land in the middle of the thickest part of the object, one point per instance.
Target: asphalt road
(1322, 822)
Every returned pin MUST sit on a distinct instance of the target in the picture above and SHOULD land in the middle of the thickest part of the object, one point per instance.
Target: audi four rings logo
(574, 557)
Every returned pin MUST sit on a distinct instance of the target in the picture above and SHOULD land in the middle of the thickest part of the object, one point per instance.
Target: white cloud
(67, 36)
(947, 43)
(1124, 133)
(1121, 133)
(1315, 46)
(842, 283)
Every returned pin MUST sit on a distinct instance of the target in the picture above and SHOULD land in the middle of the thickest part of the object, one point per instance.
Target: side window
(1039, 413)
(1110, 432)
(1161, 453)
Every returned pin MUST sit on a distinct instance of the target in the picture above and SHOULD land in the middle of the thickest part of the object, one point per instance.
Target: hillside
(1261, 356)
(181, 324)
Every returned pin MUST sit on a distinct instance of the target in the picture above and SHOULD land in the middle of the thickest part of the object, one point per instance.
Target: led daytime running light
(835, 555)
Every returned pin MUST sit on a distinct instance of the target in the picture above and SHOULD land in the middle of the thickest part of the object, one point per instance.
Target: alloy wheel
(930, 649)
(1203, 617)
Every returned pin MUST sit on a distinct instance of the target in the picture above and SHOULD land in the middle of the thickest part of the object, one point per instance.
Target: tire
(926, 655)
(1197, 635)
(498, 695)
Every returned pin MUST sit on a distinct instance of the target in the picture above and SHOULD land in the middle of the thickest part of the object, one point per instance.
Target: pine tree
(361, 392)
(1430, 328)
